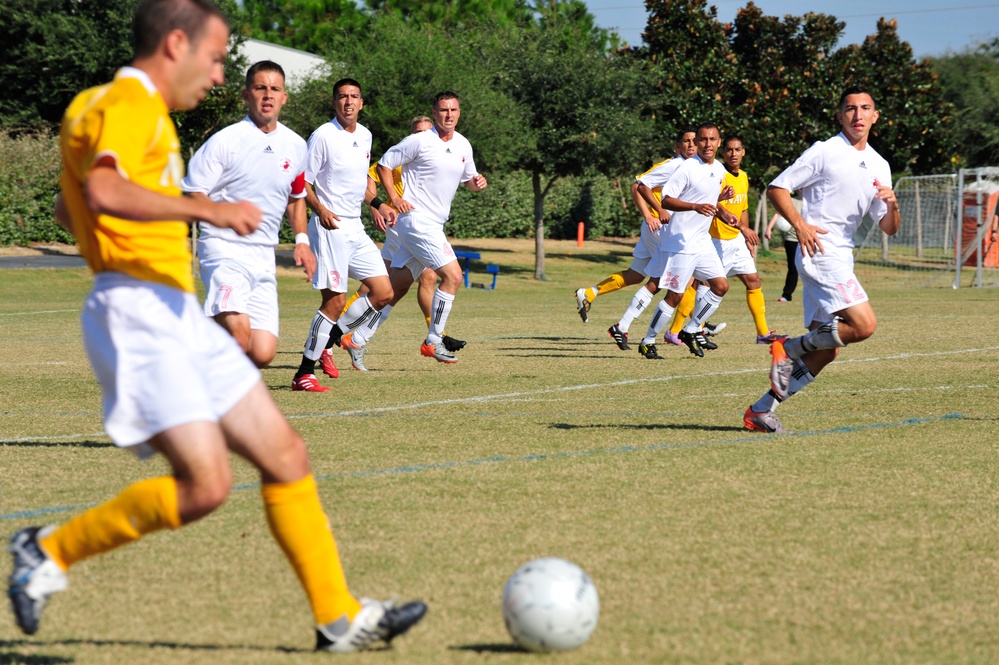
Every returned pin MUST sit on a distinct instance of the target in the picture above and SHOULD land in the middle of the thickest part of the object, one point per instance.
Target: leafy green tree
(580, 111)
(453, 13)
(970, 81)
(308, 25)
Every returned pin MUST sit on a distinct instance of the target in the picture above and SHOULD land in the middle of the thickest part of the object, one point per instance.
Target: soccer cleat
(649, 351)
(783, 299)
(672, 338)
(706, 343)
(308, 383)
(582, 305)
(770, 338)
(438, 352)
(780, 369)
(620, 338)
(376, 622)
(36, 576)
(329, 367)
(762, 422)
(710, 330)
(693, 342)
(453, 344)
(355, 351)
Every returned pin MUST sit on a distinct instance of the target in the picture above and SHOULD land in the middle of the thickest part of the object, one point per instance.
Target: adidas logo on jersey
(355, 144)
(268, 151)
(448, 150)
(863, 165)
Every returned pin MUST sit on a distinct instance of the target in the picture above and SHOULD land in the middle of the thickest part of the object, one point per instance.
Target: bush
(29, 182)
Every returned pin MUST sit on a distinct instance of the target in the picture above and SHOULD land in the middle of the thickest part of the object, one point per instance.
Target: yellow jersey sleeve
(736, 205)
(396, 177)
(657, 192)
(131, 124)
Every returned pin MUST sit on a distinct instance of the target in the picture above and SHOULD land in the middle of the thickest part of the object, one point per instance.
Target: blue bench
(466, 259)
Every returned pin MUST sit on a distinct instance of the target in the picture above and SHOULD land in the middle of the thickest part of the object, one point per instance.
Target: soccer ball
(550, 604)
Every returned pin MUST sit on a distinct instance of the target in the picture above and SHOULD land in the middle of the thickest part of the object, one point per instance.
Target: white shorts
(828, 284)
(159, 361)
(735, 256)
(422, 245)
(240, 278)
(703, 265)
(647, 247)
(342, 253)
(391, 245)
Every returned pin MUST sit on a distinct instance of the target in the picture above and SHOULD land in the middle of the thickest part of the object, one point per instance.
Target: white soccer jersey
(693, 182)
(432, 169)
(837, 184)
(659, 176)
(338, 167)
(242, 163)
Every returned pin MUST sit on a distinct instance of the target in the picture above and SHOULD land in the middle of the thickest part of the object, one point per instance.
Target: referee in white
(258, 160)
(433, 164)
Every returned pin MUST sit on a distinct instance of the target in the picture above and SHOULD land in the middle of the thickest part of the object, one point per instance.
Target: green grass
(869, 536)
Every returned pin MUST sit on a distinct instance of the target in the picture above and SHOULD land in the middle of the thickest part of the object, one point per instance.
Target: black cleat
(649, 351)
(375, 622)
(452, 344)
(693, 342)
(620, 338)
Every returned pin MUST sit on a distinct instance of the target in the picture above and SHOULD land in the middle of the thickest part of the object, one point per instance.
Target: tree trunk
(539, 223)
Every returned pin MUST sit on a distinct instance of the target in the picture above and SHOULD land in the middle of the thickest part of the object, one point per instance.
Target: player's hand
(305, 259)
(767, 234)
(389, 215)
(706, 209)
(886, 194)
(328, 219)
(242, 217)
(653, 223)
(808, 239)
(377, 219)
(403, 206)
(752, 238)
(726, 193)
(477, 183)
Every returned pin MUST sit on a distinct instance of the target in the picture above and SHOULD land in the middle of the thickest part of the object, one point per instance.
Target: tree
(308, 25)
(970, 81)
(452, 13)
(580, 110)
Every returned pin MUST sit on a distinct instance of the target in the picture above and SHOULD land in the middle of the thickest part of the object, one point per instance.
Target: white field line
(41, 311)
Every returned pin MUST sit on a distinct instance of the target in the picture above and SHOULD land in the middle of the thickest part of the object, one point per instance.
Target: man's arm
(62, 217)
(108, 193)
(676, 205)
(477, 183)
(298, 220)
(654, 223)
(381, 213)
(326, 217)
(645, 192)
(892, 219)
(388, 182)
(808, 235)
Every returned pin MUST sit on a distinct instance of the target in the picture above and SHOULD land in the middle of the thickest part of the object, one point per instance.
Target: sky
(932, 27)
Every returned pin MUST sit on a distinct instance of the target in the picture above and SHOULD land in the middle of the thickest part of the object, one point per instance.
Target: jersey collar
(135, 73)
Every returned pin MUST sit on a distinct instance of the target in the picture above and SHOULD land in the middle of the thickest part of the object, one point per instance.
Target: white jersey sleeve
(659, 176)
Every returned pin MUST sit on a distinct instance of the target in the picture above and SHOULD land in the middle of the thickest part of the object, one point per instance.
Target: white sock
(659, 322)
(439, 311)
(824, 337)
(769, 402)
(705, 305)
(368, 330)
(639, 302)
(356, 315)
(800, 377)
(319, 336)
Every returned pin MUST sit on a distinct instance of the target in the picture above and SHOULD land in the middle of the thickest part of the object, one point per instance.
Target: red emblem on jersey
(285, 164)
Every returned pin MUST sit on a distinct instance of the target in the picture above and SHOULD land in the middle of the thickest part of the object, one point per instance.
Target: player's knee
(752, 282)
(381, 296)
(262, 359)
(202, 495)
(720, 289)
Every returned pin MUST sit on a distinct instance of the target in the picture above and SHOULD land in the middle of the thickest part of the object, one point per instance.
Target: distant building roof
(299, 66)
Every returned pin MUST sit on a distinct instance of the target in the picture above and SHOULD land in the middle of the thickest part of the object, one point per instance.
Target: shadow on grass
(8, 658)
(57, 444)
(650, 427)
(506, 647)
(150, 644)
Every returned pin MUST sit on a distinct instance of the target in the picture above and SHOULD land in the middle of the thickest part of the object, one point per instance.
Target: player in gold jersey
(173, 381)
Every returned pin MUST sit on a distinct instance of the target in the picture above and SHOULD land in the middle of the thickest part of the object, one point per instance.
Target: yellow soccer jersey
(396, 177)
(128, 120)
(657, 192)
(736, 205)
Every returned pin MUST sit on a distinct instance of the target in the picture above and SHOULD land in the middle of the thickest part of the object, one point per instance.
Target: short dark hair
(733, 137)
(262, 66)
(155, 19)
(855, 90)
(446, 94)
(344, 82)
(708, 125)
(686, 130)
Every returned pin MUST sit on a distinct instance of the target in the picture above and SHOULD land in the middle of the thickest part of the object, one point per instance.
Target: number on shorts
(851, 291)
(225, 290)
(672, 282)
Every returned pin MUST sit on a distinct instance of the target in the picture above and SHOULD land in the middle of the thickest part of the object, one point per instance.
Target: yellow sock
(683, 310)
(428, 321)
(613, 283)
(758, 308)
(350, 301)
(146, 506)
(300, 527)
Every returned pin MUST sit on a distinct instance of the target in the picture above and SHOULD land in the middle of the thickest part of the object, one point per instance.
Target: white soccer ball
(550, 604)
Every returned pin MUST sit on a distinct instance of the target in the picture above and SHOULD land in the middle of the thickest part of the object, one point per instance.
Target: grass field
(870, 535)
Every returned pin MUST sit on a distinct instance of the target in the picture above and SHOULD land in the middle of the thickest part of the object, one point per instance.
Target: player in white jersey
(842, 179)
(336, 186)
(433, 164)
(259, 160)
(686, 252)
